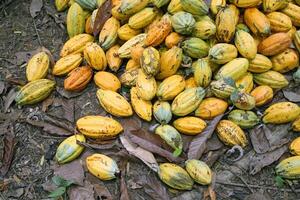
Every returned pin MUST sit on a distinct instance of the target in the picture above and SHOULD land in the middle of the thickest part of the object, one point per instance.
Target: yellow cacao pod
(245, 83)
(78, 79)
(146, 86)
(262, 94)
(211, 107)
(170, 87)
(66, 64)
(102, 166)
(141, 107)
(285, 61)
(222, 53)
(129, 7)
(113, 60)
(171, 136)
(125, 32)
(296, 125)
(125, 50)
(95, 56)
(257, 22)
(75, 20)
(274, 44)
(162, 112)
(34, 91)
(37, 66)
(61, 5)
(173, 39)
(136, 53)
(199, 171)
(245, 3)
(234, 69)
(189, 125)
(132, 64)
(280, 113)
(104, 128)
(279, 22)
(175, 6)
(107, 81)
(175, 176)
(260, 64)
(289, 168)
(142, 18)
(273, 5)
(76, 44)
(242, 100)
(187, 101)
(69, 150)
(150, 61)
(202, 72)
(244, 119)
(160, 3)
(245, 44)
(170, 61)
(128, 78)
(293, 11)
(190, 83)
(109, 33)
(154, 22)
(223, 88)
(226, 21)
(271, 78)
(295, 146)
(88, 25)
(231, 134)
(205, 28)
(116, 13)
(296, 40)
(217, 5)
(114, 103)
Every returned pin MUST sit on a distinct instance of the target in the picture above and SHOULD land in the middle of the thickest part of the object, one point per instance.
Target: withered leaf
(50, 128)
(154, 188)
(85, 192)
(10, 97)
(258, 139)
(2, 87)
(68, 107)
(292, 96)
(102, 192)
(35, 7)
(46, 103)
(123, 186)
(198, 144)
(97, 146)
(103, 14)
(213, 156)
(68, 94)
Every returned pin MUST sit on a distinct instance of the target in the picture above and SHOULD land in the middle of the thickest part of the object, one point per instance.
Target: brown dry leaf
(47, 103)
(9, 98)
(68, 94)
(102, 192)
(189, 195)
(198, 144)
(50, 128)
(2, 87)
(97, 146)
(154, 188)
(85, 192)
(35, 7)
(212, 156)
(260, 195)
(213, 143)
(292, 95)
(209, 194)
(144, 155)
(123, 186)
(68, 106)
(103, 14)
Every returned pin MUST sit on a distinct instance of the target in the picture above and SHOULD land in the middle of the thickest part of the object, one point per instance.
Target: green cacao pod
(223, 88)
(289, 168)
(75, 20)
(271, 78)
(183, 23)
(87, 4)
(245, 119)
(242, 100)
(234, 69)
(162, 112)
(160, 3)
(195, 47)
(195, 7)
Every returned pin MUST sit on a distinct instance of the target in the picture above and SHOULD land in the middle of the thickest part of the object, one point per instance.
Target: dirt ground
(32, 164)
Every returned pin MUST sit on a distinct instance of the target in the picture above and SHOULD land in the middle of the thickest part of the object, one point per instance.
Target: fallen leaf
(292, 96)
(35, 7)
(154, 188)
(260, 195)
(213, 143)
(209, 193)
(102, 192)
(17, 193)
(85, 192)
(23, 56)
(258, 138)
(144, 155)
(198, 144)
(279, 135)
(68, 107)
(8, 151)
(10, 97)
(213, 156)
(259, 161)
(97, 146)
(68, 94)
(189, 195)
(103, 14)
(72, 171)
(2, 87)
(123, 186)
(50, 128)
(46, 103)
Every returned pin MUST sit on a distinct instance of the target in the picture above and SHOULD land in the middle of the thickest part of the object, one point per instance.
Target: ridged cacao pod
(183, 23)
(245, 3)
(260, 64)
(128, 78)
(223, 88)
(195, 7)
(271, 78)
(95, 56)
(242, 100)
(66, 64)
(78, 79)
(170, 87)
(280, 113)
(245, 119)
(189, 125)
(69, 150)
(245, 44)
(296, 125)
(172, 137)
(162, 112)
(109, 33)
(160, 3)
(169, 62)
(174, 6)
(296, 40)
(274, 44)
(262, 94)
(88, 25)
(279, 22)
(296, 75)
(231, 134)
(76, 44)
(141, 107)
(293, 11)
(187, 101)
(295, 146)
(234, 69)
(257, 22)
(226, 21)
(195, 47)
(113, 60)
(273, 5)
(222, 53)
(285, 61)
(202, 72)
(107, 81)
(199, 171)
(190, 83)
(61, 5)
(146, 86)
(205, 28)
(175, 176)
(114, 103)
(129, 7)
(125, 50)
(37, 66)
(289, 168)
(216, 5)
(102, 166)
(243, 27)
(142, 18)
(173, 39)
(75, 20)
(125, 32)
(132, 64)
(116, 13)
(34, 91)
(245, 83)
(150, 61)
(211, 107)
(87, 4)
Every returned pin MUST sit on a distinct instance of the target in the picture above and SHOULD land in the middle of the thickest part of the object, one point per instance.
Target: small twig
(37, 33)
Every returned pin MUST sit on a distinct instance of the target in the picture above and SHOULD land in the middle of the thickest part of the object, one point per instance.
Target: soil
(33, 157)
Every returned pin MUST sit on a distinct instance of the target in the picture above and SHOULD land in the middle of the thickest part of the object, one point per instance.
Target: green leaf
(61, 182)
(57, 193)
(279, 181)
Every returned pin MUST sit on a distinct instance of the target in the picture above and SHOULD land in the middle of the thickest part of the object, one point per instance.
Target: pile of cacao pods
(184, 62)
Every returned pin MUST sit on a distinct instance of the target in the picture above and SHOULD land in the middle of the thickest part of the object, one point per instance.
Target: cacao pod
(280, 113)
(88, 25)
(245, 3)
(274, 44)
(107, 81)
(160, 3)
(146, 86)
(150, 61)
(289, 168)
(296, 40)
(132, 64)
(78, 79)
(245, 83)
(141, 107)
(257, 22)
(262, 94)
(223, 88)
(125, 50)
(183, 23)
(279, 22)
(260, 64)
(271, 78)
(199, 171)
(222, 53)
(125, 32)
(76, 44)
(242, 100)
(95, 56)
(285, 61)
(211, 107)
(243, 27)
(142, 18)
(116, 13)
(293, 11)
(190, 83)
(234, 69)
(61, 5)
(162, 112)
(175, 6)
(170, 87)
(136, 53)
(173, 39)
(245, 44)
(195, 47)
(129, 7)
(109, 33)
(273, 5)
(217, 5)
(245, 119)
(189, 125)
(202, 72)
(296, 125)
(295, 146)
(292, 32)
(87, 4)
(128, 78)
(205, 28)
(37, 66)
(75, 20)
(113, 60)
(195, 7)
(66, 64)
